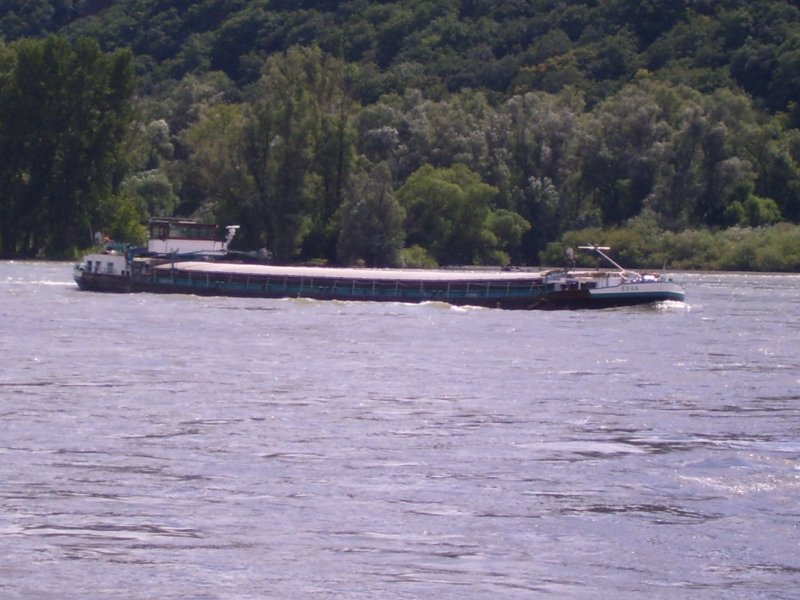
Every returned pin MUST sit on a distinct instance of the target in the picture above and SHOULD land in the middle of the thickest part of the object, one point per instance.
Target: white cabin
(184, 236)
(106, 263)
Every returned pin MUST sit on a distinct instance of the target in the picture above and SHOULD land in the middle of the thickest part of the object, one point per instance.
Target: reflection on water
(175, 446)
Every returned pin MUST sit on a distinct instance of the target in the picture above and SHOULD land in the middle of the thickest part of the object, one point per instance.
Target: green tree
(65, 109)
(216, 172)
(279, 164)
(650, 18)
(122, 216)
(372, 221)
(541, 142)
(191, 98)
(154, 189)
(779, 169)
(623, 151)
(298, 146)
(450, 214)
(31, 18)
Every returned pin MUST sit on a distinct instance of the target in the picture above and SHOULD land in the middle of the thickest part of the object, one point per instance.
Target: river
(183, 447)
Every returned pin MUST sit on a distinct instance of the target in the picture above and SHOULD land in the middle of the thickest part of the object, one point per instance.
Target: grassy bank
(642, 245)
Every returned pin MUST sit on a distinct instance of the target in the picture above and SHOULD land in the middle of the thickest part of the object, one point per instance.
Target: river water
(183, 447)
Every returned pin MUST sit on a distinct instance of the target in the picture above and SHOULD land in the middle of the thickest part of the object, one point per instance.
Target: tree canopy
(476, 131)
(64, 110)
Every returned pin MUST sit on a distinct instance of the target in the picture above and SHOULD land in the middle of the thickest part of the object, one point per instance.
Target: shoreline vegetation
(770, 249)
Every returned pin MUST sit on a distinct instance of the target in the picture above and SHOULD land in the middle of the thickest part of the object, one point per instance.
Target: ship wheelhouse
(184, 236)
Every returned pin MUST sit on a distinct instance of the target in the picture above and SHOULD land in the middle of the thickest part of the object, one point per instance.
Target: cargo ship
(187, 257)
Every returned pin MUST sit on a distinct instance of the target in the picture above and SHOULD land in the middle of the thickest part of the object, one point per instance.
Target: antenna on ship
(231, 229)
(569, 257)
(599, 250)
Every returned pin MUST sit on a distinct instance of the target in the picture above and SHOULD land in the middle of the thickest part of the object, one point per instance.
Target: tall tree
(297, 145)
(216, 172)
(65, 109)
(450, 214)
(372, 221)
(543, 136)
(278, 165)
(623, 151)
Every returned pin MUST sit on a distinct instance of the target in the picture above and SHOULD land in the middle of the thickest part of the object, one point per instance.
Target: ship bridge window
(159, 230)
(163, 230)
(195, 232)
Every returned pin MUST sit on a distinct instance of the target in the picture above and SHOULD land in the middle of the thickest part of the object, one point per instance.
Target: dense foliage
(64, 111)
(422, 132)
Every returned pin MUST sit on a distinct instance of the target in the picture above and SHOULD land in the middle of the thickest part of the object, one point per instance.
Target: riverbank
(642, 245)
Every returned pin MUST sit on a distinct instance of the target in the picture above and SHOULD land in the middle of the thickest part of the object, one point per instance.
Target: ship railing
(350, 288)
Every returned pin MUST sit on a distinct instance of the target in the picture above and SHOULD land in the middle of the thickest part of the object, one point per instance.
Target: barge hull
(530, 294)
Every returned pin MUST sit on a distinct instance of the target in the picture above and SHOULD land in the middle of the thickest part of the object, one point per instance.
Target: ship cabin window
(110, 268)
(159, 231)
(163, 230)
(195, 232)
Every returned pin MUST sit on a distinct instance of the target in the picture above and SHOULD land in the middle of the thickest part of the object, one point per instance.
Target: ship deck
(349, 273)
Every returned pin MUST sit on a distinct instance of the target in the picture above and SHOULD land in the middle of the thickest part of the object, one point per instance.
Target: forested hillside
(411, 132)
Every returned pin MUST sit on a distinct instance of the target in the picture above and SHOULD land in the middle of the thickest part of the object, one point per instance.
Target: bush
(121, 217)
(773, 248)
(416, 257)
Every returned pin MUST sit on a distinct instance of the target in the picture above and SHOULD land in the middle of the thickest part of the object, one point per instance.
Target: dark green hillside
(442, 47)
(35, 18)
(502, 46)
(426, 131)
